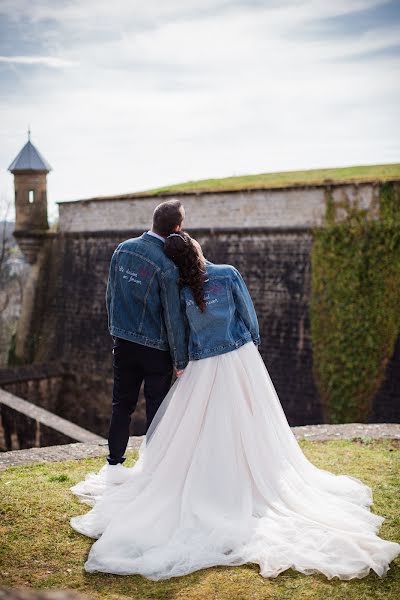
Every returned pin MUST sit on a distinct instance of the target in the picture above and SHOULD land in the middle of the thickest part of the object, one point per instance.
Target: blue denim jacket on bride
(229, 320)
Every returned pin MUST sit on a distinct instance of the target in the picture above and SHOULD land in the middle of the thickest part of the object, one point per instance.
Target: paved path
(376, 431)
(59, 453)
(348, 431)
(28, 594)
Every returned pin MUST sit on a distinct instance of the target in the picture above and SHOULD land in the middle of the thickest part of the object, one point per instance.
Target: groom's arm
(174, 318)
(111, 284)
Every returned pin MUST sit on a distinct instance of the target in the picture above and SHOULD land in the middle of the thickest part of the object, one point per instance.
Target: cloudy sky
(126, 95)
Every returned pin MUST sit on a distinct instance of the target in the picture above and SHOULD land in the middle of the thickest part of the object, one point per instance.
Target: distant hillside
(283, 179)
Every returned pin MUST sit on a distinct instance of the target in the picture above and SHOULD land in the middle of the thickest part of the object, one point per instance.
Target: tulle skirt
(221, 480)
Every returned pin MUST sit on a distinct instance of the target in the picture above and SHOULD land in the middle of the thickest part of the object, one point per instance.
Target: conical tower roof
(29, 159)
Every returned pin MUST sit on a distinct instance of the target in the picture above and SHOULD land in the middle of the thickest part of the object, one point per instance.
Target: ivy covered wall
(355, 301)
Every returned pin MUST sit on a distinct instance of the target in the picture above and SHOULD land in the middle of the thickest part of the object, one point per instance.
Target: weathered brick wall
(73, 328)
(275, 265)
(39, 383)
(70, 325)
(17, 431)
(387, 400)
(301, 206)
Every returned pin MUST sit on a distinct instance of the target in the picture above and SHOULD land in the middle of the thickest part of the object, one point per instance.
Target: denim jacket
(142, 297)
(229, 320)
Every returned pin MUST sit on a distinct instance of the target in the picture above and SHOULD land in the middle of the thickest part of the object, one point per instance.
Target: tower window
(31, 196)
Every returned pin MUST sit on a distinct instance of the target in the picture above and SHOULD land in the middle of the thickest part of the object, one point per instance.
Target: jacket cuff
(181, 365)
(257, 341)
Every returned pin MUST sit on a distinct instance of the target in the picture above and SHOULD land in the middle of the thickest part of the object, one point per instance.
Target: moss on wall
(355, 302)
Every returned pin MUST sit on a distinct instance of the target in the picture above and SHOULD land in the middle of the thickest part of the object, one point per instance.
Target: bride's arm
(245, 307)
(174, 318)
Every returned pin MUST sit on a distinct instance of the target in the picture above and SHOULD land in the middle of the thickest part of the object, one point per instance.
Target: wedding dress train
(221, 480)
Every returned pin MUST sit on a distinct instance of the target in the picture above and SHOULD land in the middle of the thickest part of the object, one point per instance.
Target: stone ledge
(59, 453)
(28, 594)
(376, 431)
(36, 426)
(299, 185)
(32, 372)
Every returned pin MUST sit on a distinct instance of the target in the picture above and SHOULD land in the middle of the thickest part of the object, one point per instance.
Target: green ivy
(355, 302)
(13, 360)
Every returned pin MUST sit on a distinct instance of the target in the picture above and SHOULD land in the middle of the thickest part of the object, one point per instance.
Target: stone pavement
(27, 594)
(348, 431)
(59, 453)
(376, 431)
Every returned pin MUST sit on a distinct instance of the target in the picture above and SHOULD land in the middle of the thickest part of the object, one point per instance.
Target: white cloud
(48, 61)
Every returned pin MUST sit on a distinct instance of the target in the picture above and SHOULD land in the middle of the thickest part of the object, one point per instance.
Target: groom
(146, 321)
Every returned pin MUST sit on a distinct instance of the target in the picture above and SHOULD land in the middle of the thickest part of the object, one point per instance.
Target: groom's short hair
(167, 216)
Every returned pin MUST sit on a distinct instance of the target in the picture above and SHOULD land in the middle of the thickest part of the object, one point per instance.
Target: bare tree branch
(3, 242)
(5, 303)
(3, 237)
(5, 251)
(19, 281)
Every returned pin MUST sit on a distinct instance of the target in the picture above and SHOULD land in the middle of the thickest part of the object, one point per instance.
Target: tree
(5, 250)
(13, 269)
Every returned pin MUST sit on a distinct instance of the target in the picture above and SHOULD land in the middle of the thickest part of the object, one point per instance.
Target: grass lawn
(40, 550)
(283, 179)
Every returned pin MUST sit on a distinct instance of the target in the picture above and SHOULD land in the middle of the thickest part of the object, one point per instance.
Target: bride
(221, 479)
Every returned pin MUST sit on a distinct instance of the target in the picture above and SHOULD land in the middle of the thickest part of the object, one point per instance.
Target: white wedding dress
(221, 480)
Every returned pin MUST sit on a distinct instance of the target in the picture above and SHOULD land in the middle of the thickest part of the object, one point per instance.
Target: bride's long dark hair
(180, 248)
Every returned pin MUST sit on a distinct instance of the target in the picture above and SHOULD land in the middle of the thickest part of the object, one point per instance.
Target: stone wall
(71, 324)
(30, 215)
(266, 234)
(71, 321)
(19, 431)
(40, 383)
(387, 401)
(299, 206)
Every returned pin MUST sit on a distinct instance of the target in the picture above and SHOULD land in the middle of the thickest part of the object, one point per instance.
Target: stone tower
(31, 232)
(30, 172)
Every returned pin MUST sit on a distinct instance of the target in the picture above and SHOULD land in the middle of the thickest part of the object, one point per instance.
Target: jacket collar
(153, 240)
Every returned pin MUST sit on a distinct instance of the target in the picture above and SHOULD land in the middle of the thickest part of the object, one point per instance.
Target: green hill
(283, 179)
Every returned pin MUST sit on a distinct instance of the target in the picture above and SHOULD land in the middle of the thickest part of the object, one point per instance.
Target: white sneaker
(114, 473)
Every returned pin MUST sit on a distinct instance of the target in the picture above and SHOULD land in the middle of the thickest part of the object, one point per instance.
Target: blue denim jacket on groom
(142, 297)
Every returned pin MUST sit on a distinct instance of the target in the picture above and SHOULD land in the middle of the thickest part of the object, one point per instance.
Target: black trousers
(132, 364)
